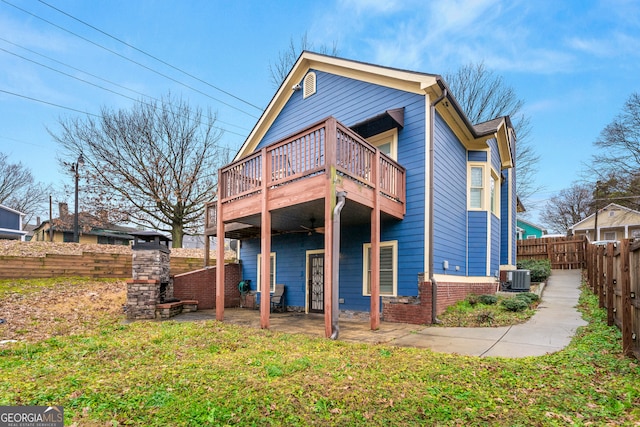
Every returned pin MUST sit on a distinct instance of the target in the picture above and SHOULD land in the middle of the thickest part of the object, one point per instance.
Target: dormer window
(386, 142)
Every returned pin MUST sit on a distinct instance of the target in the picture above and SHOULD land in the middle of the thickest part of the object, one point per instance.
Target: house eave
(414, 82)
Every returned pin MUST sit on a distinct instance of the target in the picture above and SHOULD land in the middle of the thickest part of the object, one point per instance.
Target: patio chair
(277, 299)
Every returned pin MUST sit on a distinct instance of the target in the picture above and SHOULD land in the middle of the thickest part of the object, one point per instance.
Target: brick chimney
(63, 209)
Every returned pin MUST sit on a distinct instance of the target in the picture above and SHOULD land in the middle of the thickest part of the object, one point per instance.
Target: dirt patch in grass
(36, 310)
(40, 249)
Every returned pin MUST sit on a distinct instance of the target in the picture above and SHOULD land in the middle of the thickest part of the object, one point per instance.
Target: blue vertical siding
(496, 222)
(350, 102)
(505, 204)
(478, 238)
(450, 201)
(290, 253)
(477, 156)
(496, 232)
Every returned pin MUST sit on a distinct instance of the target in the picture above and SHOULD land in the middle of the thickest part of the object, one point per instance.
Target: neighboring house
(613, 222)
(528, 230)
(11, 224)
(350, 160)
(91, 229)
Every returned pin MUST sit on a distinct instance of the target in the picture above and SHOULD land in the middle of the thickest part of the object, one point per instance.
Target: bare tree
(154, 165)
(483, 96)
(619, 145)
(570, 206)
(286, 58)
(18, 189)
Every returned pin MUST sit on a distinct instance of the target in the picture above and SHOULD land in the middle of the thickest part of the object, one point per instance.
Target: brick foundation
(417, 310)
(201, 285)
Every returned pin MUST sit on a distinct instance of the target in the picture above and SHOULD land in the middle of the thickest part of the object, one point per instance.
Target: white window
(495, 193)
(476, 187)
(272, 278)
(386, 142)
(609, 235)
(388, 268)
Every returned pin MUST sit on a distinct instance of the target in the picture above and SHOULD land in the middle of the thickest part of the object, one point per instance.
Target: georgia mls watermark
(31, 416)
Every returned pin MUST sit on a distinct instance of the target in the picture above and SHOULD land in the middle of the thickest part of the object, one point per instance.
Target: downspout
(335, 273)
(434, 283)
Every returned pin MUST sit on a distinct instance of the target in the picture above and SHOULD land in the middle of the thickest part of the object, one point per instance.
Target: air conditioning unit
(520, 280)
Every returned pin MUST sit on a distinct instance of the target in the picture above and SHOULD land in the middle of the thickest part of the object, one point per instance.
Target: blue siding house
(367, 189)
(11, 224)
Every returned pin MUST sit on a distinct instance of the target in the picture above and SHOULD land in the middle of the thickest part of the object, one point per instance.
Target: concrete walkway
(549, 330)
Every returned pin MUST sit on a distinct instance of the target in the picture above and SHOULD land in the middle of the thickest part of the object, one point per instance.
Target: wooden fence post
(609, 292)
(626, 328)
(601, 276)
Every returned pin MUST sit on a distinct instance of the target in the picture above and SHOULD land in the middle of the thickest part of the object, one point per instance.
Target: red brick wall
(201, 285)
(451, 293)
(417, 310)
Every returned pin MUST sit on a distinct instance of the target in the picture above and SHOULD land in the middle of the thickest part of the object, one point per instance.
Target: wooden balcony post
(329, 203)
(375, 246)
(220, 277)
(265, 245)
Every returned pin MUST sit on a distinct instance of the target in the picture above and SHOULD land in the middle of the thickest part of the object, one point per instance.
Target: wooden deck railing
(311, 152)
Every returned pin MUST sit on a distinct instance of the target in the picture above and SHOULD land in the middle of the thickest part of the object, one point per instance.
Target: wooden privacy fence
(89, 264)
(613, 273)
(565, 253)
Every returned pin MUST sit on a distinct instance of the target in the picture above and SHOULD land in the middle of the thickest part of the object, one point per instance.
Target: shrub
(473, 299)
(488, 299)
(515, 304)
(540, 269)
(485, 316)
(529, 297)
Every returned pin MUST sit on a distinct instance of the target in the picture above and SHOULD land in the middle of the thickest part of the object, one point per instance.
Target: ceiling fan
(313, 229)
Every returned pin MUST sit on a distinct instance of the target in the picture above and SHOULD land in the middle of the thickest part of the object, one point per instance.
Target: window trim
(470, 168)
(365, 267)
(389, 136)
(605, 233)
(494, 195)
(272, 287)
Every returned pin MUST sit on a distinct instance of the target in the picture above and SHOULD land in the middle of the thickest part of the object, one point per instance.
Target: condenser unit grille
(521, 280)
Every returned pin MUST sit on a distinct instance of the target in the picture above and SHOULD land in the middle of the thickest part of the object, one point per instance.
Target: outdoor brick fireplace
(151, 283)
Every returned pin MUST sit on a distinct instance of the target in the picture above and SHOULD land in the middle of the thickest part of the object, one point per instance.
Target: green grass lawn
(212, 374)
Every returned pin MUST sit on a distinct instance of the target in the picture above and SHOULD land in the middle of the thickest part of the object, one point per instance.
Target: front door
(315, 288)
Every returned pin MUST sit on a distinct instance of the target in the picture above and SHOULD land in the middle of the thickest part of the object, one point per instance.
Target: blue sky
(574, 63)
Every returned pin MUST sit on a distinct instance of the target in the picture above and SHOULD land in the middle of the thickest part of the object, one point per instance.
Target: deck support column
(219, 261)
(375, 247)
(329, 204)
(265, 245)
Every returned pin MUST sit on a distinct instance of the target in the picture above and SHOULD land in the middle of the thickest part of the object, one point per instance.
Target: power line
(99, 78)
(98, 86)
(152, 56)
(129, 59)
(49, 103)
(68, 108)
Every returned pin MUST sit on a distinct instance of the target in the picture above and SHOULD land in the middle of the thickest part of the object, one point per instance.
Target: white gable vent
(309, 85)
